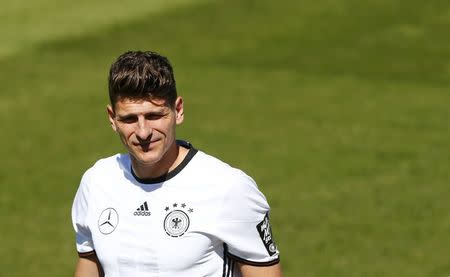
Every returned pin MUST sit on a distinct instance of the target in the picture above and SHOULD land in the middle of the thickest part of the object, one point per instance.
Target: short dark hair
(142, 75)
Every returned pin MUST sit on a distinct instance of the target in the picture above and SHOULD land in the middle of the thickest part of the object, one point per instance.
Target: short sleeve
(80, 209)
(245, 226)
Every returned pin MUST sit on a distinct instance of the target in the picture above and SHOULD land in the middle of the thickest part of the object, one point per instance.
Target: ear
(111, 117)
(179, 110)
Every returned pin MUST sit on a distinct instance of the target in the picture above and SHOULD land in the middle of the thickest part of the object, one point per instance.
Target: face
(146, 128)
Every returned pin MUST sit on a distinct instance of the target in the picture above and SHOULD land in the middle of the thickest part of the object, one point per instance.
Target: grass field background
(338, 109)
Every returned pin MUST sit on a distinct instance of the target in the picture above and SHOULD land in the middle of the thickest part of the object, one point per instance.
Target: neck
(171, 159)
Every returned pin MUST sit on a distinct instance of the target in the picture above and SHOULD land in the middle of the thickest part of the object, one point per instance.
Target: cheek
(169, 132)
(164, 128)
(124, 133)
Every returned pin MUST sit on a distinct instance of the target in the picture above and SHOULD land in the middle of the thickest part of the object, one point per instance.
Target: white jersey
(197, 220)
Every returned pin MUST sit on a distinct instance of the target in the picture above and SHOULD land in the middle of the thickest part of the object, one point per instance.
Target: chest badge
(177, 219)
(108, 221)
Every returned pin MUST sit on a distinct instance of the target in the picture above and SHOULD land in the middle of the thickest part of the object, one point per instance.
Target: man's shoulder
(243, 201)
(212, 164)
(104, 171)
(109, 164)
(220, 170)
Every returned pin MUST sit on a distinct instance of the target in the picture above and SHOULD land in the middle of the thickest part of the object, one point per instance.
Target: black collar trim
(175, 171)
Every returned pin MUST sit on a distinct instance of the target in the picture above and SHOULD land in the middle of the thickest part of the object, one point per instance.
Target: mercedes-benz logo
(108, 220)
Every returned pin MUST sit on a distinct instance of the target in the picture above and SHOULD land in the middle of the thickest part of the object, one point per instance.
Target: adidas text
(142, 213)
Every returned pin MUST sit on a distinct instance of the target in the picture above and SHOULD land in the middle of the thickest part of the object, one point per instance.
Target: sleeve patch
(265, 232)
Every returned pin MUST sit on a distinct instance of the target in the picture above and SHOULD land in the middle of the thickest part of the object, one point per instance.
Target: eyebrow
(161, 111)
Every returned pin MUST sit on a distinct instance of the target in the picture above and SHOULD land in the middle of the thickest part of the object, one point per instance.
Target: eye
(128, 119)
(153, 116)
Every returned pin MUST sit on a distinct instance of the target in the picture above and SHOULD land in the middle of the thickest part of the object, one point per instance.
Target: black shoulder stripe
(230, 267)
(224, 259)
(244, 261)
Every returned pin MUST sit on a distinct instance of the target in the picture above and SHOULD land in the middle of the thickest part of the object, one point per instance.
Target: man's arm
(260, 271)
(89, 267)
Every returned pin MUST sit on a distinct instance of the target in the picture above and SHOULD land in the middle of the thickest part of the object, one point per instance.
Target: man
(165, 208)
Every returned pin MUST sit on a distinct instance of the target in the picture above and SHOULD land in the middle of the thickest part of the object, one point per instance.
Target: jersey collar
(192, 151)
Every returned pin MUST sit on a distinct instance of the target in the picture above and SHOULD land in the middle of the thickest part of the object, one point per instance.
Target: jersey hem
(244, 261)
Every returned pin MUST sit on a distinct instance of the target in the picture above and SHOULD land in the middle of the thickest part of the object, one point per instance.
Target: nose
(143, 131)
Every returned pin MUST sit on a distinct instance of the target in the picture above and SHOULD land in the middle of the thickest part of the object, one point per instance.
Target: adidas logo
(142, 210)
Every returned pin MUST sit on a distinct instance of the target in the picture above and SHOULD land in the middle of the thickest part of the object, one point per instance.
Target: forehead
(127, 105)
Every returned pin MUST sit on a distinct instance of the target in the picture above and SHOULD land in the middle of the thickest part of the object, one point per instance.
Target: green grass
(338, 109)
(26, 24)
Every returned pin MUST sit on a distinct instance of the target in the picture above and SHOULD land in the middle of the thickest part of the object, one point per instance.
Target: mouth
(145, 145)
